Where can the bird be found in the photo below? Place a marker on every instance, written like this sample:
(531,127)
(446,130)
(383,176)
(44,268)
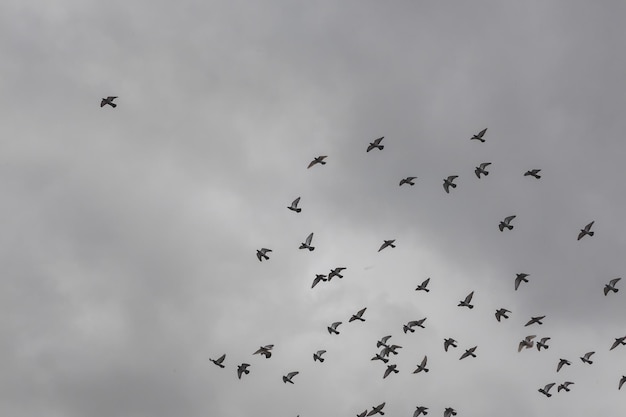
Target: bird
(265,351)
(469,352)
(448,342)
(219,361)
(447,183)
(542,343)
(307,243)
(407,180)
(564,386)
(387,243)
(527,343)
(501,312)
(376,144)
(363,414)
(621,382)
(390,349)
(336,273)
(242,369)
(420,410)
(379,357)
(448,412)
(262,254)
(422,286)
(618,341)
(561,363)
(318,160)
(358,315)
(586,231)
(586,356)
(383,341)
(377,410)
(294,205)
(533,173)
(390,368)
(466,302)
(479,135)
(506,223)
(519,278)
(317,356)
(611,286)
(534,320)
(333,327)
(545,390)
(289,377)
(318,278)
(422,366)
(108,100)
(409,326)
(480,169)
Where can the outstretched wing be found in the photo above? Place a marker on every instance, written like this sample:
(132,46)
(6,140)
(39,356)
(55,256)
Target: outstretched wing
(309,239)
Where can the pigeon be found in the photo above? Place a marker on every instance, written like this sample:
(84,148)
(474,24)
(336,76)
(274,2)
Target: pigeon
(336,273)
(501,312)
(618,341)
(262,254)
(265,351)
(377,410)
(533,173)
(621,382)
(409,326)
(422,286)
(289,377)
(466,302)
(420,410)
(481,169)
(407,180)
(586,231)
(447,183)
(479,135)
(586,356)
(318,278)
(379,357)
(383,341)
(469,352)
(219,361)
(448,342)
(506,223)
(358,315)
(564,386)
(448,412)
(294,205)
(526,343)
(376,144)
(387,243)
(242,369)
(561,363)
(317,356)
(534,320)
(390,368)
(333,327)
(611,286)
(545,390)
(307,243)
(519,278)
(542,343)
(108,100)
(318,160)
(390,349)
(422,366)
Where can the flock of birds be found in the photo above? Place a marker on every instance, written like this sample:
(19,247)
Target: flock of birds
(388,348)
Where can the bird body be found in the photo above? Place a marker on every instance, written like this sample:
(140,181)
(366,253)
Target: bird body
(422,366)
(611,286)
(379,357)
(449,412)
(506,223)
(390,368)
(358,315)
(448,342)
(542,343)
(586,356)
(265,351)
(318,278)
(387,243)
(501,312)
(420,410)
(469,352)
(317,356)
(448,182)
(561,363)
(564,386)
(318,160)
(534,320)
(618,341)
(481,169)
(336,273)
(409,326)
(586,231)
(376,144)
(622,381)
(242,369)
(526,343)
(383,341)
(219,361)
(377,409)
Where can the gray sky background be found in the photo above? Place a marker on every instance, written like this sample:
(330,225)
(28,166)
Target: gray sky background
(129,234)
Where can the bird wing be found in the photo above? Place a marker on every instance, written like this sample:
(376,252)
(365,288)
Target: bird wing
(485,165)
(550,385)
(621,382)
(481,133)
(426,281)
(383,246)
(387,372)
(292,374)
(614,281)
(508,219)
(221,359)
(309,238)
(335,325)
(446,186)
(377,141)
(469,297)
(544,339)
(360,312)
(423,364)
(518,280)
(295,202)
(588,227)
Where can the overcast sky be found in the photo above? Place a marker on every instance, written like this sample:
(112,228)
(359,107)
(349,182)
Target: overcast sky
(129,234)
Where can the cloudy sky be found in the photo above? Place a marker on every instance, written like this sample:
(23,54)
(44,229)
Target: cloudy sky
(129,234)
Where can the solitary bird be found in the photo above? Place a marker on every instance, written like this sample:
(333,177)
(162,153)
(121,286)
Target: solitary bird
(219,360)
(448,342)
(407,180)
(289,377)
(586,231)
(317,356)
(294,205)
(390,368)
(611,286)
(622,381)
(501,312)
(265,351)
(377,410)
(262,254)
(336,273)
(506,223)
(526,343)
(422,366)
(447,183)
(387,243)
(318,160)
(318,278)
(422,286)
(519,278)
(448,412)
(469,352)
(542,343)
(479,135)
(420,410)
(358,315)
(534,320)
(242,369)
(333,327)
(533,173)
(564,386)
(467,300)
(546,390)
(376,144)
(561,363)
(409,326)
(481,169)
(108,100)
(618,341)
(586,356)
(307,243)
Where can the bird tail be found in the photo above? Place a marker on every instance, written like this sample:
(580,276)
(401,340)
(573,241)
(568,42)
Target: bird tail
(538,176)
(591,233)
(453,185)
(113,105)
(311,248)
(615,289)
(298,210)
(470,306)
(321,359)
(393,246)
(510,227)
(486,173)
(548,394)
(425,370)
(426,289)
(323,162)
(381,147)
(246,371)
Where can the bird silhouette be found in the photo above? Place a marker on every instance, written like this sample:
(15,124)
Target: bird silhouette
(307,243)
(586,231)
(611,286)
(333,327)
(318,160)
(318,278)
(108,100)
(469,352)
(447,183)
(422,366)
(242,369)
(390,368)
(562,362)
(422,286)
(376,144)
(377,410)
(387,243)
(294,205)
(336,273)
(262,254)
(379,357)
(621,382)
(448,342)
(546,390)
(407,180)
(449,412)
(317,356)
(358,315)
(265,351)
(526,343)
(506,223)
(519,278)
(501,312)
(618,341)
(481,169)
(533,173)
(542,343)
(534,320)
(586,356)
(479,135)
(564,386)
(467,300)
(289,377)
(409,326)
(420,410)
(219,361)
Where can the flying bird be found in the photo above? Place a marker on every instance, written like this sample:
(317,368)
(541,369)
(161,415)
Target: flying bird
(420,410)
(379,357)
(318,278)
(294,205)
(561,363)
(307,243)
(383,341)
(336,273)
(219,360)
(447,183)
(546,390)
(390,349)
(506,223)
(409,326)
(481,169)
(611,286)
(318,160)
(466,302)
(586,356)
(533,173)
(519,278)
(390,368)
(265,351)
(289,377)
(333,327)
(407,180)
(422,286)
(317,356)
(618,341)
(534,320)
(358,315)
(377,410)
(469,352)
(387,243)
(363,414)
(564,386)
(376,144)
(526,343)
(422,366)
(448,412)
(542,343)
(501,312)
(242,369)
(108,100)
(448,342)
(262,254)
(586,231)
(479,135)
(621,382)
